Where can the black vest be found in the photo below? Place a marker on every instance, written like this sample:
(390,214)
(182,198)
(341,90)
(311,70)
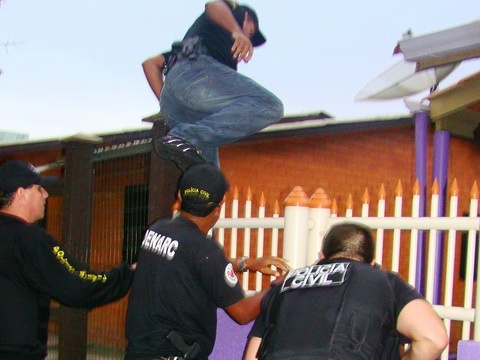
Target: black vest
(339,309)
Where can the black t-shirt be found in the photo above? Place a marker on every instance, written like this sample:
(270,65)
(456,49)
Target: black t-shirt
(34,268)
(217,41)
(182,276)
(310,304)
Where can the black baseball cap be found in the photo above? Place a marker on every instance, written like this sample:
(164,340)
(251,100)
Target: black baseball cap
(18,173)
(239,13)
(202,188)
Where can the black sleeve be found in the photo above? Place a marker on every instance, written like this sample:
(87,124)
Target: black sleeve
(263,321)
(403,291)
(217,275)
(49,269)
(258,328)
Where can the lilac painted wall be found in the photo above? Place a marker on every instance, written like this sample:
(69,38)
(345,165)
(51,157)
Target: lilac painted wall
(231,338)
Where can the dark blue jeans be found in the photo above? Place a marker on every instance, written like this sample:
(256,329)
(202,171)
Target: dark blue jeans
(210,105)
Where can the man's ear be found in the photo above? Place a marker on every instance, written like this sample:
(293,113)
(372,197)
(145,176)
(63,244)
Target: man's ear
(177,205)
(218,209)
(246,18)
(20,194)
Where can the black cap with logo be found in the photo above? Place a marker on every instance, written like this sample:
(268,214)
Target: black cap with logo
(18,173)
(202,188)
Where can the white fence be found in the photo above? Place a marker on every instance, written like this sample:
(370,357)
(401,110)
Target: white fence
(432,243)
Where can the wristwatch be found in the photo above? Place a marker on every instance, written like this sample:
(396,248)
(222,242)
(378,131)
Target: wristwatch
(242,264)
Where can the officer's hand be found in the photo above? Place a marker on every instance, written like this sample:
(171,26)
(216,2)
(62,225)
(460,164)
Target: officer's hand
(264,265)
(242,48)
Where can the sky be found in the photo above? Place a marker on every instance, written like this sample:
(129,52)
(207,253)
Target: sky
(72,67)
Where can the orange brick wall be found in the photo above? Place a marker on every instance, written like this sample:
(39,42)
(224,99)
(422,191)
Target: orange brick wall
(343,164)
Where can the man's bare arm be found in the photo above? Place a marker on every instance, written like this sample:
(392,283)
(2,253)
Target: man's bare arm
(419,322)
(219,12)
(247,309)
(251,348)
(264,265)
(153,68)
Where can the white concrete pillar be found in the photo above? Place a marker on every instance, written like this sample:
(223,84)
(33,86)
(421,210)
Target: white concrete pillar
(295,235)
(320,205)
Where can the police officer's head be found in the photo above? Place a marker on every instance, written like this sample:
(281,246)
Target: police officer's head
(19,174)
(349,240)
(202,189)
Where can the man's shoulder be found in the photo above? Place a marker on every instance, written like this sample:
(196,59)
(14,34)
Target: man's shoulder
(175,223)
(21,228)
(395,277)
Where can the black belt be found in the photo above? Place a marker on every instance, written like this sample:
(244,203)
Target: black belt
(190,48)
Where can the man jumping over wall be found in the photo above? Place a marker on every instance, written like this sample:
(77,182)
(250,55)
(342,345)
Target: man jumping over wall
(203,99)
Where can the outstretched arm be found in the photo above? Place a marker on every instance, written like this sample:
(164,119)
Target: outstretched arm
(153,68)
(419,322)
(264,265)
(219,12)
(247,309)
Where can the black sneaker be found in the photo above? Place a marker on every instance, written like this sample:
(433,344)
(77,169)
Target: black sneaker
(180,151)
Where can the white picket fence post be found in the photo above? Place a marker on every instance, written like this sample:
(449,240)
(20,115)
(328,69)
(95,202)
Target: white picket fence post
(295,234)
(319,205)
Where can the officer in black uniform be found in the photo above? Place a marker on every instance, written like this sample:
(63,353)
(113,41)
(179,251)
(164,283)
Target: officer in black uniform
(183,276)
(34,267)
(343,307)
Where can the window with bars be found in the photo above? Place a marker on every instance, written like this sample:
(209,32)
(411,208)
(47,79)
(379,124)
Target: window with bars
(135,220)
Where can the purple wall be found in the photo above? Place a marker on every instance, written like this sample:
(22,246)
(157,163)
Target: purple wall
(231,338)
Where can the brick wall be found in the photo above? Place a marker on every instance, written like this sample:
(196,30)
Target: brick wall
(348,163)
(343,164)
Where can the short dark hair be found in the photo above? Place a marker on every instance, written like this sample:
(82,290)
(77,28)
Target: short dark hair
(351,240)
(6,198)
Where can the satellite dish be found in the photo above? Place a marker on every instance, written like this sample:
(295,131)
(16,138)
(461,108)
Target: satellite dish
(402,80)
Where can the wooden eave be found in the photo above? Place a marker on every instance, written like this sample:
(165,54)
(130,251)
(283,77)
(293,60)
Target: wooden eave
(456,109)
